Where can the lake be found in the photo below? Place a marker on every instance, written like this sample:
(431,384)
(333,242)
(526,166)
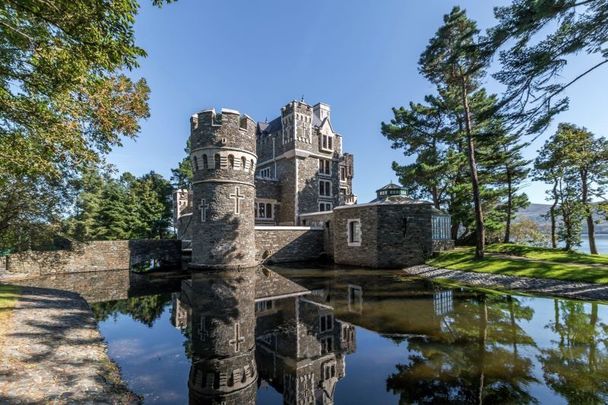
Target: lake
(328,335)
(601,242)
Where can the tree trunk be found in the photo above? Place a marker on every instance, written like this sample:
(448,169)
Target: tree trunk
(483,337)
(587,205)
(509,206)
(553,219)
(479,225)
(592,342)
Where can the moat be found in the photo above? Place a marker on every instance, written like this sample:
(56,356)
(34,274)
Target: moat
(348,336)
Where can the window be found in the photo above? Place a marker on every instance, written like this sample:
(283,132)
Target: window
(326,322)
(324,206)
(325,188)
(343,173)
(327,345)
(329,371)
(252,165)
(264,210)
(354,232)
(265,173)
(325,166)
(195,163)
(327,142)
(243,163)
(205,162)
(441,227)
(263,306)
(217,161)
(231,161)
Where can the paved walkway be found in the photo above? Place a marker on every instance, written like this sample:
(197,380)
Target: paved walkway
(567,289)
(53,353)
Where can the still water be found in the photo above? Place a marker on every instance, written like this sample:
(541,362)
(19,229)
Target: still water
(601,242)
(301,335)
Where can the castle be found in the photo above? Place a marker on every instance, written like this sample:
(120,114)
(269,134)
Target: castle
(300,167)
(282,191)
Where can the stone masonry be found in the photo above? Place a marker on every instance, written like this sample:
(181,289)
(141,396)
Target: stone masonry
(223,161)
(281,244)
(93,256)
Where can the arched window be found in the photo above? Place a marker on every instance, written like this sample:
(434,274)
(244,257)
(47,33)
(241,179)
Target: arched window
(231,161)
(205,162)
(243,163)
(217,162)
(252,166)
(195,163)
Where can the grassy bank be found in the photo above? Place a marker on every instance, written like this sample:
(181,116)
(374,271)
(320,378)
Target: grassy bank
(8,298)
(527,261)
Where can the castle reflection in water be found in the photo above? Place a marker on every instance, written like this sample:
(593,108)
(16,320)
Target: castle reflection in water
(252,327)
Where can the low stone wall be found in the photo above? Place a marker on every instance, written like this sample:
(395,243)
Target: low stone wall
(281,244)
(94,256)
(440,245)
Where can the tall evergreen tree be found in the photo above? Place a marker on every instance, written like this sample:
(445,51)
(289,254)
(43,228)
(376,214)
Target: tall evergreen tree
(455,63)
(181,176)
(509,170)
(536,39)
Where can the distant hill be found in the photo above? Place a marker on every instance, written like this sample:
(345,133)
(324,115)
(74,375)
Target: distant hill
(536,212)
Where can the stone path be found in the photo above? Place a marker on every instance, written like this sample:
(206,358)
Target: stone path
(53,353)
(567,289)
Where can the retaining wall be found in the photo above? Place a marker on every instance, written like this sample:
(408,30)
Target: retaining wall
(94,256)
(281,244)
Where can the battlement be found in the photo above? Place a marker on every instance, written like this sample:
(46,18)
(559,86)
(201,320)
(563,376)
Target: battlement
(233,118)
(298,107)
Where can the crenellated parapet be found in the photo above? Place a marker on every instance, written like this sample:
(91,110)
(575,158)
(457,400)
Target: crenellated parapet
(223,161)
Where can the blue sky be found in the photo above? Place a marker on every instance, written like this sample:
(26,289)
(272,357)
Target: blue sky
(359,56)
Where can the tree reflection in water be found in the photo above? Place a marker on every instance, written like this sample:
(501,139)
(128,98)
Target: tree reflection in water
(143,309)
(577,366)
(473,358)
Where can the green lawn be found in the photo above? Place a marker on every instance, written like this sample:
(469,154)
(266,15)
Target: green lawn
(552,255)
(566,266)
(8,298)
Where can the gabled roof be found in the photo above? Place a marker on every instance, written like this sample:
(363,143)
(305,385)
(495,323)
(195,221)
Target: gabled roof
(270,127)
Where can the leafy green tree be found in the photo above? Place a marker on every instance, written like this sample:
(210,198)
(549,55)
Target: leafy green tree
(181,176)
(575,162)
(535,39)
(64,102)
(586,160)
(124,208)
(152,197)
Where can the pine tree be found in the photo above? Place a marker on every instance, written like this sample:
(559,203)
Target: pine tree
(455,63)
(535,39)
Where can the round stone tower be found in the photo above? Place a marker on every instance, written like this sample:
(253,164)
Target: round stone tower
(222,346)
(223,163)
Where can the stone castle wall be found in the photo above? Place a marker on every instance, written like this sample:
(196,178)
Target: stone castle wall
(366,254)
(94,256)
(288,243)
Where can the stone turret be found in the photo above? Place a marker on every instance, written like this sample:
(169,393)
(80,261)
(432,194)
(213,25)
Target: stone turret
(223,369)
(223,161)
